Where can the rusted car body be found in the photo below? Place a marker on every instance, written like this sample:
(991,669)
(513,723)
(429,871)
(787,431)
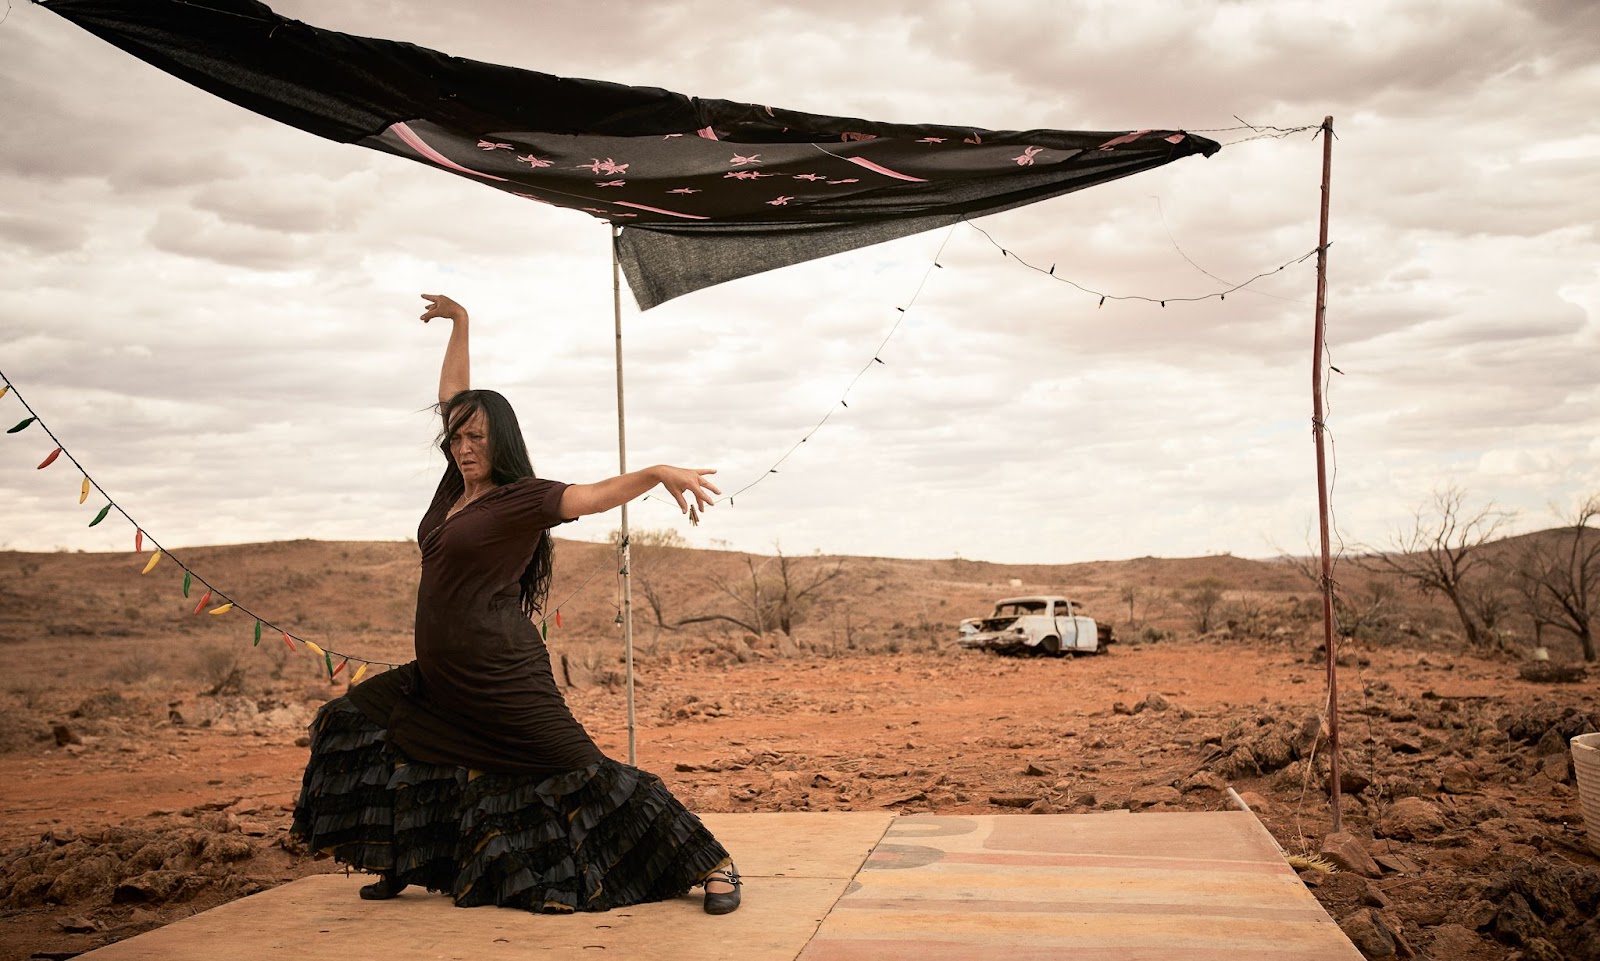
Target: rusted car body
(1043,624)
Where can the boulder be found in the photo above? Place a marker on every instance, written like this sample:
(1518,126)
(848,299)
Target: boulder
(1156,794)
(1398,863)
(1413,818)
(1462,777)
(1374,937)
(152,887)
(228,847)
(80,881)
(1346,851)
(1256,802)
(1556,767)
(1551,672)
(1455,941)
(1012,800)
(1203,781)
(1514,922)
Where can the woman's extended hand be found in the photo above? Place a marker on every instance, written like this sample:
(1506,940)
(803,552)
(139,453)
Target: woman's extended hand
(679,480)
(441,306)
(580,500)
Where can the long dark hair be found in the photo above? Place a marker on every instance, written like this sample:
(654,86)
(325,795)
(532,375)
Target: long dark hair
(508,461)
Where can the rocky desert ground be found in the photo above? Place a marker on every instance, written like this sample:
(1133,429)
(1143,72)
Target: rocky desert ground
(149,757)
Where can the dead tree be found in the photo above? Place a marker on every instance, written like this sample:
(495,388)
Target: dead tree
(756,612)
(1558,576)
(798,588)
(1201,598)
(1130,595)
(1440,551)
(780,600)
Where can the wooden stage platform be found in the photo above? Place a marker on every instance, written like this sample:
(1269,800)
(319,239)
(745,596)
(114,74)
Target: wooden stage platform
(847,887)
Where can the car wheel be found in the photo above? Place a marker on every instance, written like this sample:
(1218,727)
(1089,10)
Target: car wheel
(1051,646)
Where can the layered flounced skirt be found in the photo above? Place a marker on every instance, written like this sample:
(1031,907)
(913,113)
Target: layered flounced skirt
(602,837)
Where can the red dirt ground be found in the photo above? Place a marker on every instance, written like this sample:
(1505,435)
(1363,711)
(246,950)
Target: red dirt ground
(172,801)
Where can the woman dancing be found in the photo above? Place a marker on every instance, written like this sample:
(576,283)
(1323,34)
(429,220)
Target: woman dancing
(463,771)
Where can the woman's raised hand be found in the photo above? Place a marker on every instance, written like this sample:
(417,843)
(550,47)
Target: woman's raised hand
(681,480)
(441,306)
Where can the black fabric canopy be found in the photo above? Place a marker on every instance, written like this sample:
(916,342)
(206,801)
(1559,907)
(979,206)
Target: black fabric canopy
(705,190)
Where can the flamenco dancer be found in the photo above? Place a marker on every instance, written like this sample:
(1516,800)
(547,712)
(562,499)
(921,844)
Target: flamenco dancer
(463,771)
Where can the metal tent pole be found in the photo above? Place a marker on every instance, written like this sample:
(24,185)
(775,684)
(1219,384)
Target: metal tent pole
(1317,428)
(622,468)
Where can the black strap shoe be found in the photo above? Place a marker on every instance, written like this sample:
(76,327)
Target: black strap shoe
(723,903)
(382,889)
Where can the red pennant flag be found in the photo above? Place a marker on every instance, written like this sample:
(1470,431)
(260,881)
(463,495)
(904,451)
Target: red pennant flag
(49,460)
(138,541)
(201,606)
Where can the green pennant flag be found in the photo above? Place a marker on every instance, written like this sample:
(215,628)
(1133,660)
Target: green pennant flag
(258,635)
(22,425)
(100,516)
(188,578)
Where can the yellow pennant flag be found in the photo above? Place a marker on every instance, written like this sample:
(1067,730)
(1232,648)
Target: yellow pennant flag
(83,495)
(221,610)
(359,671)
(149,565)
(5,390)
(314,648)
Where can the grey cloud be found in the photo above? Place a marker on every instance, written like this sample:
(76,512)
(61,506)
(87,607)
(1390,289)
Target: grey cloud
(42,235)
(190,234)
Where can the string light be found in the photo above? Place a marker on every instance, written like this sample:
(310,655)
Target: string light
(226,604)
(1221,294)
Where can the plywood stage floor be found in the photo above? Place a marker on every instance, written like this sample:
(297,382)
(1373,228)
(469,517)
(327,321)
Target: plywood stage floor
(847,887)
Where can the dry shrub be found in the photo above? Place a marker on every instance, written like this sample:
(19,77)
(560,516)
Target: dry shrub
(219,665)
(140,665)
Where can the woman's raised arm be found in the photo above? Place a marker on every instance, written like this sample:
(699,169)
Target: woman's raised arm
(455,375)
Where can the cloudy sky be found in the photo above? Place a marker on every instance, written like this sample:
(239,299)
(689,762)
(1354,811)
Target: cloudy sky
(218,314)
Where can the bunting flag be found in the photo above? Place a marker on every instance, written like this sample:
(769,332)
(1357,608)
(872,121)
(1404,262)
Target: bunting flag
(706,190)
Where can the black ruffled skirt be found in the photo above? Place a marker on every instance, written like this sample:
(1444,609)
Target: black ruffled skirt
(602,837)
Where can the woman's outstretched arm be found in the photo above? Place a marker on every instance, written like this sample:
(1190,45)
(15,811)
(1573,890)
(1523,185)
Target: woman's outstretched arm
(455,375)
(601,496)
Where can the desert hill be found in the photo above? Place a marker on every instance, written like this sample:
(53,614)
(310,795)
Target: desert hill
(357,597)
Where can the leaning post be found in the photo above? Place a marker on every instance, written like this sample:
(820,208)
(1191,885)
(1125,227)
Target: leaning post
(1317,429)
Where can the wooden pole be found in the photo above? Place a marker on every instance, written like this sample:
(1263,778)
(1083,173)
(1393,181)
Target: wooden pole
(625,560)
(1317,428)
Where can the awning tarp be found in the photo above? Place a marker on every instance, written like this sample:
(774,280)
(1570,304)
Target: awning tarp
(706,191)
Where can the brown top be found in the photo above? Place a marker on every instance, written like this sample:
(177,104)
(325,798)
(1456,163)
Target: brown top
(480,693)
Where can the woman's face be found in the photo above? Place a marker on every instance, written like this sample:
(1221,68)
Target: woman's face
(469,445)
